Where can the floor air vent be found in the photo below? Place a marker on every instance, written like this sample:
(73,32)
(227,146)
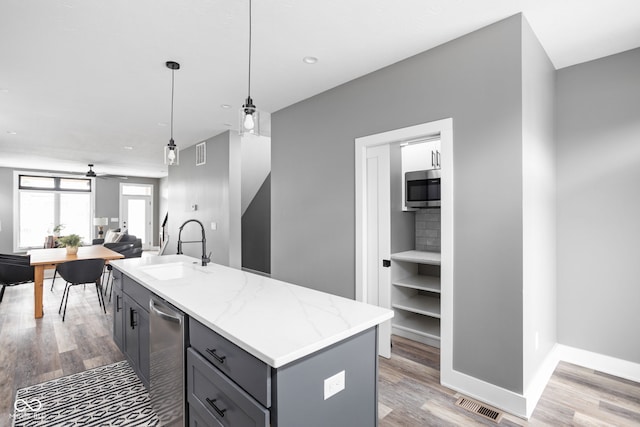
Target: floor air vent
(480,409)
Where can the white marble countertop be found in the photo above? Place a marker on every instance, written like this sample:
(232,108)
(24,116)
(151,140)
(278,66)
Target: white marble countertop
(275,321)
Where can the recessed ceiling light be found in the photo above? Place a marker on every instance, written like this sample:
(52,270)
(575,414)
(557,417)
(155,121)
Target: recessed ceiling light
(11,132)
(128,147)
(225,106)
(162,124)
(309,59)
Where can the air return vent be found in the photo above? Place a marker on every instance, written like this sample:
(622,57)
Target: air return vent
(480,409)
(201,154)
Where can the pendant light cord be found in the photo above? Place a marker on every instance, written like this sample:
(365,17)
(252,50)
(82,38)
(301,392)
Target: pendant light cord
(172,83)
(249,89)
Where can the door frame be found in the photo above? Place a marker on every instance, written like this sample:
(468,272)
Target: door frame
(445,128)
(122,198)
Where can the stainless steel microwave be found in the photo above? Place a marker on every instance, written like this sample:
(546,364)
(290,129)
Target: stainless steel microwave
(422,189)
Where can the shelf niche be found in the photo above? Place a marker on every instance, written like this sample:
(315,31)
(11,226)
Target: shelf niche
(415,296)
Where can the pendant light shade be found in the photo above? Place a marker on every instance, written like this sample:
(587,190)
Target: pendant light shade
(171,153)
(249,114)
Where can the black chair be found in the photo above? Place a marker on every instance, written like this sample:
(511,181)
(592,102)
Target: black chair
(126,241)
(80,272)
(14,270)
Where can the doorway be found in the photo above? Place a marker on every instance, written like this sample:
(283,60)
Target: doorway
(371,251)
(136,207)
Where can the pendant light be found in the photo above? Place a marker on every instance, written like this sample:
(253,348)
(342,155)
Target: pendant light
(249,114)
(171,149)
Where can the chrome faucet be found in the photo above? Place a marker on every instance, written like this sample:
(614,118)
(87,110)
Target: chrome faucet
(205,258)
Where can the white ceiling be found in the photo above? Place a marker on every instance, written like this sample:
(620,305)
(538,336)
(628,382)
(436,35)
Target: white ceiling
(82,79)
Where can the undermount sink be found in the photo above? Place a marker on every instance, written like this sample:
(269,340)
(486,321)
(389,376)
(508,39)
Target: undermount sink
(170,271)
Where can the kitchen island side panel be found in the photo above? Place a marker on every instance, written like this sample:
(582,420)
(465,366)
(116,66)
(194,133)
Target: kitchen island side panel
(299,386)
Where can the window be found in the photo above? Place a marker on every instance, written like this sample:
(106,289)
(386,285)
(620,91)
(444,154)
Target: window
(44,201)
(136,189)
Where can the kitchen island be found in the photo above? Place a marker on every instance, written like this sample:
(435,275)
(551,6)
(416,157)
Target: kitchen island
(261,350)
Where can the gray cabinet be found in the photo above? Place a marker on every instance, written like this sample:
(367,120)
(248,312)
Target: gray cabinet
(211,392)
(249,372)
(131,323)
(225,384)
(229,387)
(136,338)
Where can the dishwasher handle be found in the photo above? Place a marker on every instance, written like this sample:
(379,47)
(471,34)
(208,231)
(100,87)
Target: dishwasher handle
(166,316)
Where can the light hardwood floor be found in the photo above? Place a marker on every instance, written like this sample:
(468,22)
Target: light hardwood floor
(410,394)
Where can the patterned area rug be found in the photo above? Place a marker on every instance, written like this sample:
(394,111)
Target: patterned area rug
(110,395)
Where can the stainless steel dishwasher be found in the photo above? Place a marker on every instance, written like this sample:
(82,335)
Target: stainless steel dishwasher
(166,353)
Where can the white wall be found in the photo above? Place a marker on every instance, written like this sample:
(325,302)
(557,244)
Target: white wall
(256,165)
(598,137)
(538,205)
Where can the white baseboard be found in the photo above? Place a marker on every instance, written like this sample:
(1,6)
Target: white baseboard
(523,405)
(485,392)
(540,379)
(600,362)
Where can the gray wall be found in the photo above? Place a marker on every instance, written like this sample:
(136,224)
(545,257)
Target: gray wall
(209,187)
(256,230)
(476,80)
(108,200)
(598,137)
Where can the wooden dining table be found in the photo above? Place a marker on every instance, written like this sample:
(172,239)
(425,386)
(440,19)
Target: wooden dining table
(44,259)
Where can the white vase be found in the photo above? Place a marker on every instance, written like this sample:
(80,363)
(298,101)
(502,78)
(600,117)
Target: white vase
(72,250)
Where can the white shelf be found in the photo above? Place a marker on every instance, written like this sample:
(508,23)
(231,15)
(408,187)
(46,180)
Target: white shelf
(415,296)
(421,304)
(420,257)
(419,325)
(422,283)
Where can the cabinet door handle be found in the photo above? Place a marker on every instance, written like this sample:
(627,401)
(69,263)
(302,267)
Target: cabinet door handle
(433,160)
(132,321)
(218,358)
(438,158)
(118,304)
(215,407)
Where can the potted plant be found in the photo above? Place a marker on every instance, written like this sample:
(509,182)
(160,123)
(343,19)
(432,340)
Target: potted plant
(71,242)
(57,229)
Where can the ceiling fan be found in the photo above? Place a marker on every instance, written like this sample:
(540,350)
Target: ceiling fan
(92,174)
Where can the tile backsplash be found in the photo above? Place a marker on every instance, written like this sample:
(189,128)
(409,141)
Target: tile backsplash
(428,229)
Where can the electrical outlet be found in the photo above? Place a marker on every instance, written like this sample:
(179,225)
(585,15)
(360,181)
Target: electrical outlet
(333,385)
(214,226)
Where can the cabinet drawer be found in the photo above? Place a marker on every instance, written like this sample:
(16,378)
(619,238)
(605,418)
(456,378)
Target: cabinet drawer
(219,400)
(136,291)
(247,371)
(197,420)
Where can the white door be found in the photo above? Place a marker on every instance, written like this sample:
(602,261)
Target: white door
(136,212)
(377,289)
